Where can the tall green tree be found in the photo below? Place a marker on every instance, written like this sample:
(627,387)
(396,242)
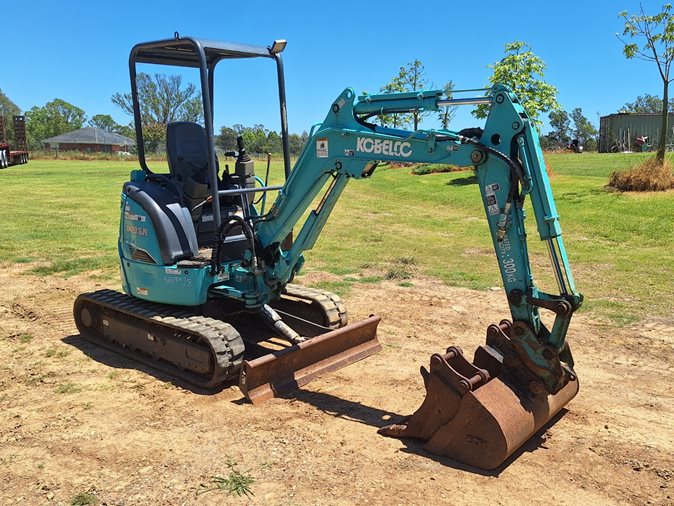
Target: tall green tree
(104,122)
(560,123)
(523,72)
(255,138)
(583,130)
(296,143)
(655,36)
(273,144)
(446,114)
(395,120)
(412,77)
(8,110)
(162,100)
(226,139)
(54,118)
(647,104)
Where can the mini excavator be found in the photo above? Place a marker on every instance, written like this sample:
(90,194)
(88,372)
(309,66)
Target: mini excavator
(207,270)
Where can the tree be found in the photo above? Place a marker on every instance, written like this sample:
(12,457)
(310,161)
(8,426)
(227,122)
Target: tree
(162,100)
(227,138)
(104,122)
(296,143)
(548,143)
(446,114)
(560,124)
(54,118)
(8,110)
(656,37)
(523,72)
(255,139)
(127,131)
(395,120)
(273,144)
(412,77)
(647,104)
(583,130)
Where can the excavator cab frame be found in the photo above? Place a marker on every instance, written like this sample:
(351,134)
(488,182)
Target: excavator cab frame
(203,54)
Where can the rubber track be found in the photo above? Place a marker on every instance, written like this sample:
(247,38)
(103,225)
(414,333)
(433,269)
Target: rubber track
(332,304)
(226,345)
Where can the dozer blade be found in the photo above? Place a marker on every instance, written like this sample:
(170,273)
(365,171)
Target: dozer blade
(473,412)
(280,372)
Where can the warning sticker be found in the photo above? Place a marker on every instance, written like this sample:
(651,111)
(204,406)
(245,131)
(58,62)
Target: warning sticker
(322,148)
(492,202)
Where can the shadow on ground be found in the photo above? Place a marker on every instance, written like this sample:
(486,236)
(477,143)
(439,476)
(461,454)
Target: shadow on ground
(378,418)
(111,358)
(329,404)
(462,181)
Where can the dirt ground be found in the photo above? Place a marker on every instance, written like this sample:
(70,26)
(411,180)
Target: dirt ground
(79,419)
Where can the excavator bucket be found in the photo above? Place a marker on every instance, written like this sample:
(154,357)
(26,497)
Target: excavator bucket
(474,412)
(279,372)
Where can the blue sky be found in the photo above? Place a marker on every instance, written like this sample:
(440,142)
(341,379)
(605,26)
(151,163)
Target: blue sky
(78,51)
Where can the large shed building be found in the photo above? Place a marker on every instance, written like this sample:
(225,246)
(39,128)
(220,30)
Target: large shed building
(619,132)
(90,139)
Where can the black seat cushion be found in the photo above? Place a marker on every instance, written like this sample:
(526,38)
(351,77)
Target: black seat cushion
(187,151)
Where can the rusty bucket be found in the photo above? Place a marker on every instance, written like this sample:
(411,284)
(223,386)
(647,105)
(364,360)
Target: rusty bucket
(474,412)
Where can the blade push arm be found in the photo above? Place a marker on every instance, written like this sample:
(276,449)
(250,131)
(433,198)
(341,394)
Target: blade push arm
(509,166)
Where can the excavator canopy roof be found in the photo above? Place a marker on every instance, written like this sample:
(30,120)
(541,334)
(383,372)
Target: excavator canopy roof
(184,52)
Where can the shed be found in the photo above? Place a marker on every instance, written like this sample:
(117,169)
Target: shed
(90,139)
(618,132)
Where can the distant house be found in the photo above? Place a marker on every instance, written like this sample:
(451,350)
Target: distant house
(90,139)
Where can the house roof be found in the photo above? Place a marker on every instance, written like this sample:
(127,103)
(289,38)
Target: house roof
(92,135)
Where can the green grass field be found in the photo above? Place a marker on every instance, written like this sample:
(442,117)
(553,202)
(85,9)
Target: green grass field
(62,216)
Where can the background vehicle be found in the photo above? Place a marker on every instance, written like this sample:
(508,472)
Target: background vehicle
(19,155)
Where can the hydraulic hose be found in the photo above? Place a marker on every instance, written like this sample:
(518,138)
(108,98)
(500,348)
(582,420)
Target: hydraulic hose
(516,172)
(223,231)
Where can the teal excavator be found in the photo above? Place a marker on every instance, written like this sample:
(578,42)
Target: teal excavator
(207,268)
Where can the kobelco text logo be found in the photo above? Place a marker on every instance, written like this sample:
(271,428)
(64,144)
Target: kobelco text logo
(384,147)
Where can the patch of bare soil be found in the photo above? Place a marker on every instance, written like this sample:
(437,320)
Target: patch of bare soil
(77,419)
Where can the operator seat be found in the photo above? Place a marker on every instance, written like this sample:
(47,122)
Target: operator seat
(187,151)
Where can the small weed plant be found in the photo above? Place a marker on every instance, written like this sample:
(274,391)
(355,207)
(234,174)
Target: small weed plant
(84,499)
(236,483)
(68,388)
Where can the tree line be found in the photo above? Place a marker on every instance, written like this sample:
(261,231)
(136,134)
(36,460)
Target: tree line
(562,132)
(162,99)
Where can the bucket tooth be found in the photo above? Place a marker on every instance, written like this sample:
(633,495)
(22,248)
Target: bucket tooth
(475,415)
(280,372)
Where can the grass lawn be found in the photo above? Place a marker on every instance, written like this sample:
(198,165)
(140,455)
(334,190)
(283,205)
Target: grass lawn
(63,215)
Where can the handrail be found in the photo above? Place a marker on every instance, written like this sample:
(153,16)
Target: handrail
(238,191)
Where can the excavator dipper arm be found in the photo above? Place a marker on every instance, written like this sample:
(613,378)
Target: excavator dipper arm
(477,412)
